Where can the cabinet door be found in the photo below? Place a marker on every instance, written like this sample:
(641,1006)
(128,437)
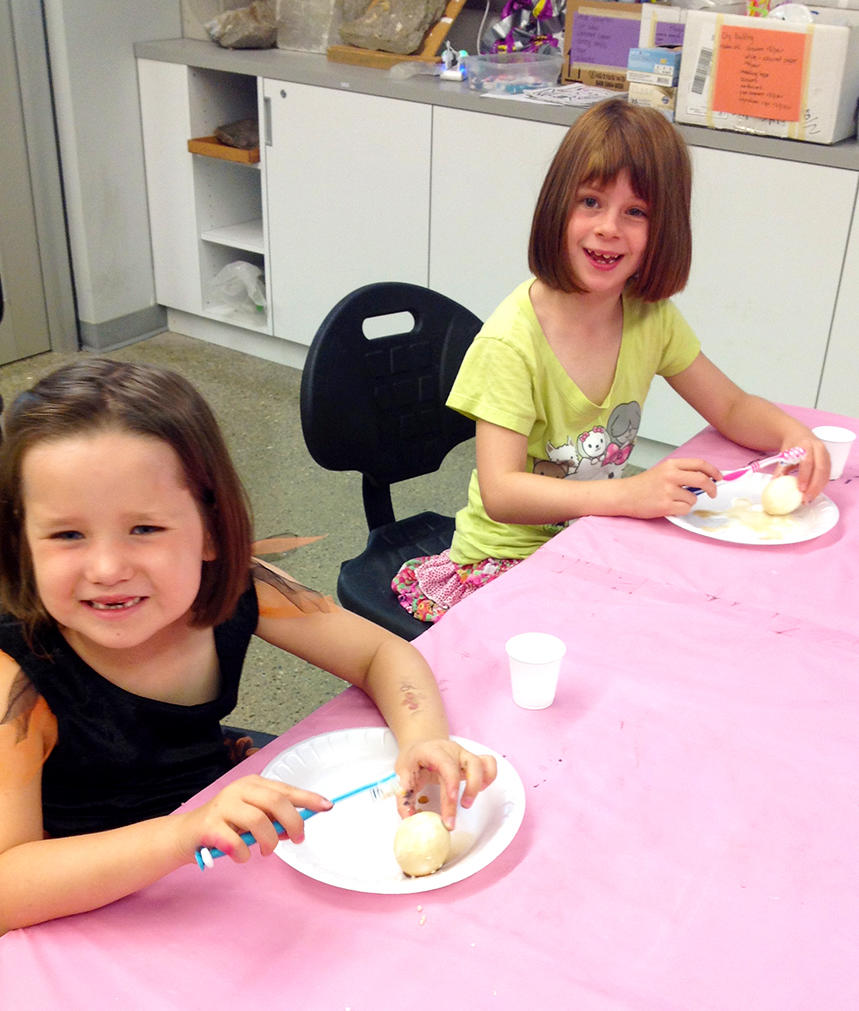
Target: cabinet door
(769,240)
(839,389)
(486,176)
(166,120)
(347,188)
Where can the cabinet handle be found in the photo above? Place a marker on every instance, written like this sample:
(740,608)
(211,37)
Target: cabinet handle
(266,114)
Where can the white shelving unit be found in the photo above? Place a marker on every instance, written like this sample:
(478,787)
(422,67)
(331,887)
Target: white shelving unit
(206,212)
(355,187)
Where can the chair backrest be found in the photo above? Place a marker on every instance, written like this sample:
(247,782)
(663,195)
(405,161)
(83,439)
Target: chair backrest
(377,405)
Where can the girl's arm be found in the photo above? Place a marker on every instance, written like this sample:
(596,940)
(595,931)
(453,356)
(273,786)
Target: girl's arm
(511,494)
(751,421)
(392,673)
(41,879)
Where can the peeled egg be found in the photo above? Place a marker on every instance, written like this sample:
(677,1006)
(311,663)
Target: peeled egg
(422,844)
(781,495)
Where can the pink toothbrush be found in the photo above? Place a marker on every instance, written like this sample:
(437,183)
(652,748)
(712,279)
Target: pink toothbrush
(789,456)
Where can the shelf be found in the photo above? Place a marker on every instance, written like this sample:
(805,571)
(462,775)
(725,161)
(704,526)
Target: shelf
(247,320)
(246,235)
(211,147)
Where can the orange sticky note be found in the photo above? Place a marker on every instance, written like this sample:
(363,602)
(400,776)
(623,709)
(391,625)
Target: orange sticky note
(759,73)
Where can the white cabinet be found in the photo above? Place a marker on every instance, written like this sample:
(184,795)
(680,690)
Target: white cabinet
(204,212)
(486,175)
(355,188)
(839,388)
(768,241)
(768,244)
(347,182)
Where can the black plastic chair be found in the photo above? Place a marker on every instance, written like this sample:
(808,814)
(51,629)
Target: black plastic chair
(377,406)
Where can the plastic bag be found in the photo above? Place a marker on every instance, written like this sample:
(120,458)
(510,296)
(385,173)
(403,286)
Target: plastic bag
(238,287)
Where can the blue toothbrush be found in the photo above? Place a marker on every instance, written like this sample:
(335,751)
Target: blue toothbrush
(206,856)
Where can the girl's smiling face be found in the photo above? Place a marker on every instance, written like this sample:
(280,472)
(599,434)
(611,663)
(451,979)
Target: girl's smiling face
(607,234)
(117,540)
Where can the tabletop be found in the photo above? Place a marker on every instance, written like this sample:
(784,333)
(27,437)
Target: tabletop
(690,818)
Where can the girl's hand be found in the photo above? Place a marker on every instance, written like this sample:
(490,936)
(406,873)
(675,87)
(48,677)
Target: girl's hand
(663,490)
(812,472)
(447,763)
(250,804)
(239,748)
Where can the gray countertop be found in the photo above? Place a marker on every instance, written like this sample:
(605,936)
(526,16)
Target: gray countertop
(315,69)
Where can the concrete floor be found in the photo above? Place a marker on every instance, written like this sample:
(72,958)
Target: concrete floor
(257,405)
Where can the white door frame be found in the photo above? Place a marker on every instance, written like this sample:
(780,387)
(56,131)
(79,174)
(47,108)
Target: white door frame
(41,245)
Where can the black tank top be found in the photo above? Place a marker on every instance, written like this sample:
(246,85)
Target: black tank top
(121,758)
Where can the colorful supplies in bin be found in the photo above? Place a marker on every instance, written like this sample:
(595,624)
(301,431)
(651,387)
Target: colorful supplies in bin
(531,26)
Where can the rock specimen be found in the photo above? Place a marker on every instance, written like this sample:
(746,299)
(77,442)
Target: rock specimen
(253,27)
(392,26)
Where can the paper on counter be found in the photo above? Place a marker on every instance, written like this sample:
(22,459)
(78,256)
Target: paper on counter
(580,95)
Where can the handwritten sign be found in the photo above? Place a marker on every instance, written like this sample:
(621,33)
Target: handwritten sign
(603,40)
(759,73)
(668,33)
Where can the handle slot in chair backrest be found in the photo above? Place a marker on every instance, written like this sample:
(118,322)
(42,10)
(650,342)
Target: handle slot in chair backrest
(376,405)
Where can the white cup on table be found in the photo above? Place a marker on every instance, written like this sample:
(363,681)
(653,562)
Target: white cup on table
(535,663)
(839,442)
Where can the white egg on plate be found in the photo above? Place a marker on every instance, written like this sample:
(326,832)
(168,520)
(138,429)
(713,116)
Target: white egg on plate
(421,844)
(781,495)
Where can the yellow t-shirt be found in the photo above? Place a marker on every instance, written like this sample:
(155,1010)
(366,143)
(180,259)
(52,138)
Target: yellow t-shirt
(511,377)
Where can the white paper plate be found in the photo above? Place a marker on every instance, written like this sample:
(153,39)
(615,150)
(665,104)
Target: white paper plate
(352,846)
(736,515)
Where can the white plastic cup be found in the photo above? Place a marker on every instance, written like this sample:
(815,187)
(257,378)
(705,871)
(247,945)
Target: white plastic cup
(535,662)
(839,442)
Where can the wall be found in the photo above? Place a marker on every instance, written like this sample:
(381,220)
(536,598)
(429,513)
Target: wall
(98,122)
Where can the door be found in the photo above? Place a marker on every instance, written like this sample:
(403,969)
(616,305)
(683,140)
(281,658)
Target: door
(24,327)
(348,186)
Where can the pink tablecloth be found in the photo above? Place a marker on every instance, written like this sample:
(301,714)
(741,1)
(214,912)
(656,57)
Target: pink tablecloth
(691,825)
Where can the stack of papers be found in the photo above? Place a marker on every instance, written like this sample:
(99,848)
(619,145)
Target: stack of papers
(580,95)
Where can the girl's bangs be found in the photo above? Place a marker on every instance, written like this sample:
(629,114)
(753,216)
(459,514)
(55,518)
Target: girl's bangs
(615,154)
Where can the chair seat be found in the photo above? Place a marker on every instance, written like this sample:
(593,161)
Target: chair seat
(364,584)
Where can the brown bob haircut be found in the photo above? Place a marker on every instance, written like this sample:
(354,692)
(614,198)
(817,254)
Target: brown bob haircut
(605,140)
(97,394)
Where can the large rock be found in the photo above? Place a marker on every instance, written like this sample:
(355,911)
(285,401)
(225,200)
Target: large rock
(252,27)
(392,26)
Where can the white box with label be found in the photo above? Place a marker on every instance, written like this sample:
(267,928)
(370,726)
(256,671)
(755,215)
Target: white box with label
(767,76)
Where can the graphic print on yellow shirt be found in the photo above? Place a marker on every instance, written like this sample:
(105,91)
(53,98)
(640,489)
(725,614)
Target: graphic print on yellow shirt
(597,452)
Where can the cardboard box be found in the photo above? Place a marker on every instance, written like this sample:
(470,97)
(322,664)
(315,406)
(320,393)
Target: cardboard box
(771,77)
(654,96)
(654,66)
(598,36)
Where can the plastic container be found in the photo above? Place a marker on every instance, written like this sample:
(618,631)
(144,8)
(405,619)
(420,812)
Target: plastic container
(535,663)
(839,442)
(512,73)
